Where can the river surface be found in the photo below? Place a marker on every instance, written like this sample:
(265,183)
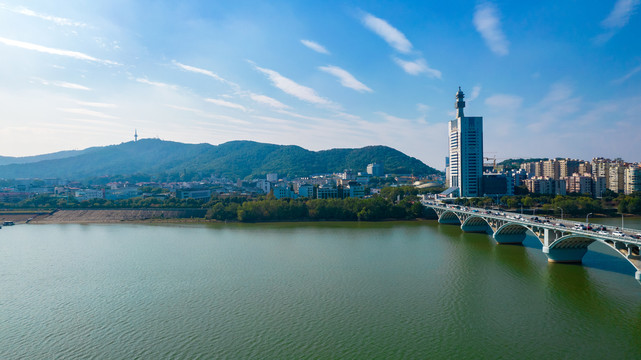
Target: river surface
(321,290)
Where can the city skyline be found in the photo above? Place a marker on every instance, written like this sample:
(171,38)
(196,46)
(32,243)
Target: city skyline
(550,79)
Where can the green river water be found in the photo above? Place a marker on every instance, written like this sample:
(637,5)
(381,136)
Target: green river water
(307,290)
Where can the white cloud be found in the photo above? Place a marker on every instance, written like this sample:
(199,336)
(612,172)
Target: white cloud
(204,72)
(228,104)
(209,115)
(346,79)
(417,67)
(620,14)
(487,23)
(96,104)
(73,86)
(315,46)
(53,51)
(394,38)
(628,75)
(156,83)
(292,88)
(62,84)
(504,101)
(86,112)
(57,20)
(476,91)
(617,19)
(263,99)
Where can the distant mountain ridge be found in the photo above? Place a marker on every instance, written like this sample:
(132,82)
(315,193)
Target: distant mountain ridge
(234,159)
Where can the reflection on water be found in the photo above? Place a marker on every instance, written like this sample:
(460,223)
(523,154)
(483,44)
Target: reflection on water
(321,290)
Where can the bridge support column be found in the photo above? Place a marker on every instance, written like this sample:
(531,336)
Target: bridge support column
(549,236)
(565,255)
(630,254)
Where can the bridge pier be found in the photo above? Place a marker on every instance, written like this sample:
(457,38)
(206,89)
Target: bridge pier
(565,255)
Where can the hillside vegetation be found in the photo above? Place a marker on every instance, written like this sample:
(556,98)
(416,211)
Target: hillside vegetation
(235,159)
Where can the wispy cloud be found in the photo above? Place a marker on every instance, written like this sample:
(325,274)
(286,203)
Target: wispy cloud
(476,91)
(54,51)
(628,75)
(417,67)
(157,84)
(617,19)
(69,85)
(292,88)
(227,104)
(86,112)
(488,24)
(63,84)
(55,19)
(96,104)
(504,101)
(390,34)
(346,79)
(209,115)
(209,73)
(315,46)
(263,99)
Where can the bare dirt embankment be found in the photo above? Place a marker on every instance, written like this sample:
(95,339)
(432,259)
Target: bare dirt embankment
(19,216)
(115,216)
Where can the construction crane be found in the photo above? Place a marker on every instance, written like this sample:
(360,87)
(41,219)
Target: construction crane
(493,159)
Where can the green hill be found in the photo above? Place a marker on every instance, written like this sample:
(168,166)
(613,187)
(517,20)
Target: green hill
(235,159)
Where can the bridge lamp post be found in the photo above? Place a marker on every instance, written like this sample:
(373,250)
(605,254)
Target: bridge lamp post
(561,212)
(586,219)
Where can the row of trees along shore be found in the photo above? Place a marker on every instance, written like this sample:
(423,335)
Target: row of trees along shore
(392,203)
(610,204)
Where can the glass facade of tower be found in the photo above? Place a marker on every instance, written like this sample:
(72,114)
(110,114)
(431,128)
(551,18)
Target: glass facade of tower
(466,152)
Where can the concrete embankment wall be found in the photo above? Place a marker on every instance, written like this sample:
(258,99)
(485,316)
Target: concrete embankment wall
(109,216)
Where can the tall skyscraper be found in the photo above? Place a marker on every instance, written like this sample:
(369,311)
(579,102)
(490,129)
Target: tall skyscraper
(466,151)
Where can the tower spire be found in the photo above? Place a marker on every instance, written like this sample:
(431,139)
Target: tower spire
(460,103)
(135,135)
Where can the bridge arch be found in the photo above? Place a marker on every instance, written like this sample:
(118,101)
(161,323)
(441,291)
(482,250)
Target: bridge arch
(449,217)
(512,233)
(477,224)
(572,248)
(569,248)
(430,213)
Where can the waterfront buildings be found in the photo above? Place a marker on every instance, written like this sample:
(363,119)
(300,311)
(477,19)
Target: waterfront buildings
(465,152)
(583,177)
(632,179)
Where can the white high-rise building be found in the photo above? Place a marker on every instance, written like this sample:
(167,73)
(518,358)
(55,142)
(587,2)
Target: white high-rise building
(466,152)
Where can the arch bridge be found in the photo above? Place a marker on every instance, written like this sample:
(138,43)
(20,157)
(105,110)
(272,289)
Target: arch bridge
(561,243)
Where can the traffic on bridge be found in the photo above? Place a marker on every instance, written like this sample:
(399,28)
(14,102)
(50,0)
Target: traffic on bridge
(563,240)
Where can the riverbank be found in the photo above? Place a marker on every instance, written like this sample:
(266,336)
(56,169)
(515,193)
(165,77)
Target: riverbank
(98,216)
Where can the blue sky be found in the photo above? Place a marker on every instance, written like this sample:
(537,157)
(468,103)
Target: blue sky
(550,78)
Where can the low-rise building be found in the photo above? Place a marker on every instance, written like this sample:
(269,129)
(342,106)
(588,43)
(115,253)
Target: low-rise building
(89,194)
(197,194)
(122,193)
(306,190)
(281,192)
